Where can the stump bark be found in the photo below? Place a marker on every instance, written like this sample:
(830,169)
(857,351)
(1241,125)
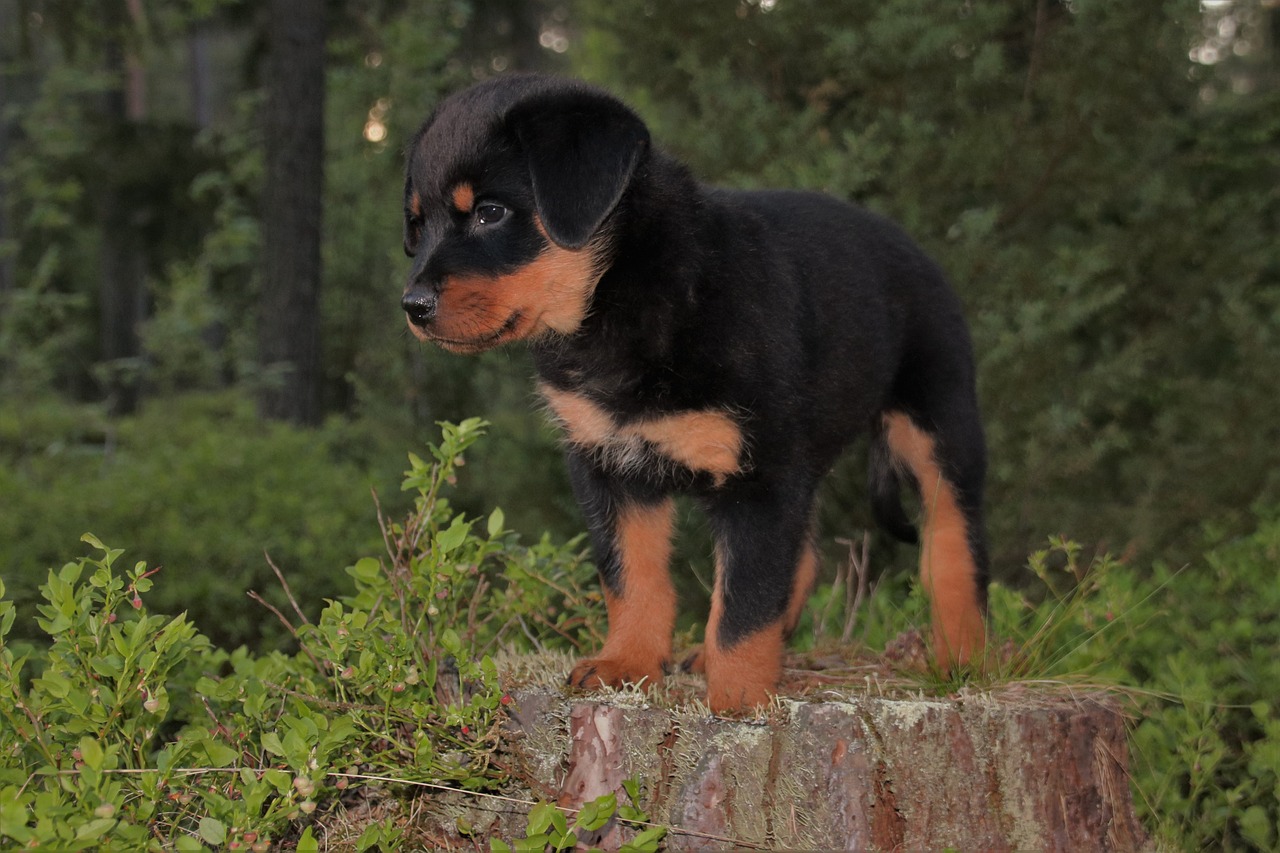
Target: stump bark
(1008,770)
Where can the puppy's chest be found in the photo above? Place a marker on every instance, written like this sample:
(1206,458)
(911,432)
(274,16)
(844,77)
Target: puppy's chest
(707,441)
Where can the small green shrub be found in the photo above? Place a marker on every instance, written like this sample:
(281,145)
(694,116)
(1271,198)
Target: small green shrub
(132,729)
(1207,765)
(197,484)
(549,827)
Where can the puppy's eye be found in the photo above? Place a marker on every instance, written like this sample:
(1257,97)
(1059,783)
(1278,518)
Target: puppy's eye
(488,213)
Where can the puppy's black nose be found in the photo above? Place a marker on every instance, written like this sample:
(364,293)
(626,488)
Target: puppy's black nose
(420,304)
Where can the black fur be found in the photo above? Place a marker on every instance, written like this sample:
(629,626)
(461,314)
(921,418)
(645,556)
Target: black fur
(803,317)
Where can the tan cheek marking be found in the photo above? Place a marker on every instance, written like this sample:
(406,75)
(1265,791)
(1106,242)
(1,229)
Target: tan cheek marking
(463,197)
(472,307)
(415,204)
(947,569)
(564,280)
(551,292)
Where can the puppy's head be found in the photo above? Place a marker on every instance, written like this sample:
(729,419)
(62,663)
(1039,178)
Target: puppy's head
(508,194)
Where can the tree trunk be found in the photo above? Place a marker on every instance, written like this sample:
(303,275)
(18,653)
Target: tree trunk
(7,278)
(122,289)
(289,321)
(200,76)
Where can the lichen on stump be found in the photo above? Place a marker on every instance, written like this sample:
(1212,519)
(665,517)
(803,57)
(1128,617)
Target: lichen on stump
(1009,769)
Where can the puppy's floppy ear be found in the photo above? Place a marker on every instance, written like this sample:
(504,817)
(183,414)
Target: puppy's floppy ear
(583,148)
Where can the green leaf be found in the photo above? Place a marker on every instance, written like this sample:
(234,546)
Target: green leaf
(214,831)
(498,846)
(597,813)
(95,828)
(91,752)
(1256,826)
(271,743)
(307,843)
(449,540)
(540,817)
(371,836)
(218,754)
(532,844)
(278,779)
(645,841)
(366,569)
(494,527)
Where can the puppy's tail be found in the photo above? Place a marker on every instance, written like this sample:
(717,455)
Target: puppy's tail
(884,485)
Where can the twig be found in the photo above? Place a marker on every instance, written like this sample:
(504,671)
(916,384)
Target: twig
(855,593)
(287,591)
(820,624)
(293,631)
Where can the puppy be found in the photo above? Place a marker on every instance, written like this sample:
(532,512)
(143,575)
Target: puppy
(724,344)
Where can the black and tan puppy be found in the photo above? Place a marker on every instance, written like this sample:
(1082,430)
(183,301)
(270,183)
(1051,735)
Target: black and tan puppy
(724,344)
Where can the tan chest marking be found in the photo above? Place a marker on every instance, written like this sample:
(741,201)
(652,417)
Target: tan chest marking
(705,440)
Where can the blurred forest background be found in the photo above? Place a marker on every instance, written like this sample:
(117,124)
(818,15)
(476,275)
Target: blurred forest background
(201,352)
(202,356)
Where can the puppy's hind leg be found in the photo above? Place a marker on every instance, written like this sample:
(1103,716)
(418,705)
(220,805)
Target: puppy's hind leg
(947,462)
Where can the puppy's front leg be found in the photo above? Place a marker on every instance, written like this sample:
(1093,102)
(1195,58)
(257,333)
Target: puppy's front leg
(765,568)
(631,534)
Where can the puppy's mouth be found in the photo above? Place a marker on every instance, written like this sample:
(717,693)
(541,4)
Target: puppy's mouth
(505,333)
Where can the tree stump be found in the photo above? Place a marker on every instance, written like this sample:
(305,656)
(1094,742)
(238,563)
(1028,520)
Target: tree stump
(1003,770)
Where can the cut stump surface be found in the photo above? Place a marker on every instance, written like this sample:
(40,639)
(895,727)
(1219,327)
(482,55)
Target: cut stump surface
(1007,770)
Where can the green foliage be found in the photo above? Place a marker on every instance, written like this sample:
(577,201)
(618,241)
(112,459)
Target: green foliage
(1088,212)
(201,487)
(132,729)
(1208,758)
(1093,193)
(1076,625)
(549,827)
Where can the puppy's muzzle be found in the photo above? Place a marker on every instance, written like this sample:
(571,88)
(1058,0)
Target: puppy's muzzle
(419,303)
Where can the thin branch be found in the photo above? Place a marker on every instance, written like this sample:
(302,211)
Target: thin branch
(287,591)
(287,624)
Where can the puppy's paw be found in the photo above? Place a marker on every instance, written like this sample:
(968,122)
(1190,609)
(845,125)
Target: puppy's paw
(738,699)
(591,673)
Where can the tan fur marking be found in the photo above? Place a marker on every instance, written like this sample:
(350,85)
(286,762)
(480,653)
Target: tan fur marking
(415,204)
(801,586)
(585,423)
(643,615)
(947,570)
(704,441)
(463,198)
(550,293)
(746,674)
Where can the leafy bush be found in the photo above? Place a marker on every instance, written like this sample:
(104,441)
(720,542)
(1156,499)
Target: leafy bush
(1208,756)
(132,728)
(196,484)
